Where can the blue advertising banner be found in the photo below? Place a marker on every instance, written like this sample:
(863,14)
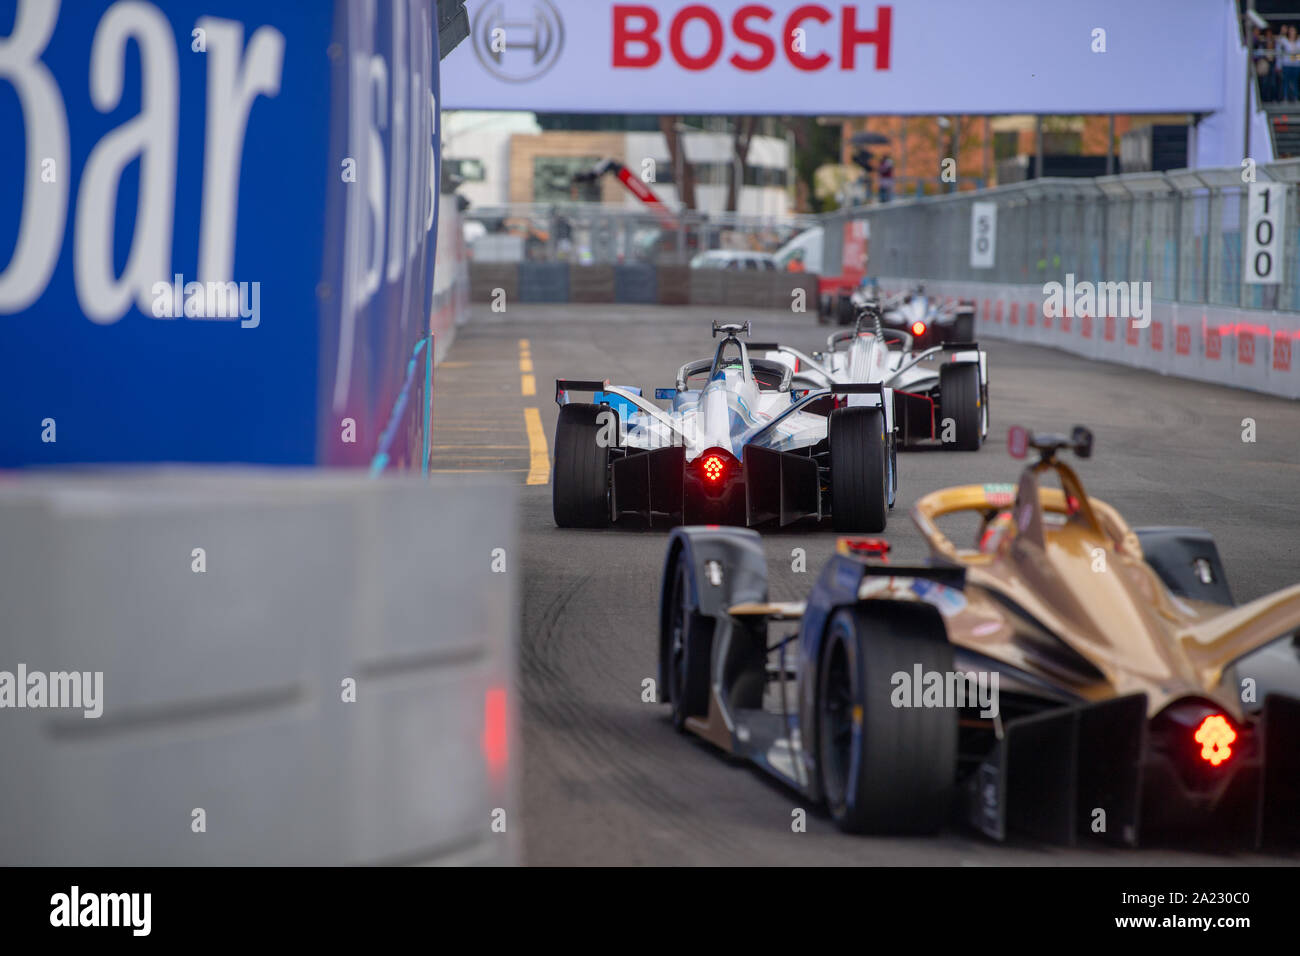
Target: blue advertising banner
(217,230)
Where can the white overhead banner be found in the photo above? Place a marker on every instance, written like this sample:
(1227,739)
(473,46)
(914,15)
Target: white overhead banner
(900,57)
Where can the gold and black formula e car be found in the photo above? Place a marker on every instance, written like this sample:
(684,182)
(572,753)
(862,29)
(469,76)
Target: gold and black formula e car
(1069,678)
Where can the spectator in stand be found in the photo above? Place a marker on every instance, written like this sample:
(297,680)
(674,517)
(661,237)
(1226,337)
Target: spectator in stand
(1288,56)
(1265,68)
(885,179)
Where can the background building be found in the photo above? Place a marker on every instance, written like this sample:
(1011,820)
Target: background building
(506,157)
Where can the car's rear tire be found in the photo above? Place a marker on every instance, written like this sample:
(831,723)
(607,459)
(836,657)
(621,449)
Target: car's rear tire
(685,648)
(892,487)
(580,484)
(963,327)
(883,769)
(960,400)
(859,469)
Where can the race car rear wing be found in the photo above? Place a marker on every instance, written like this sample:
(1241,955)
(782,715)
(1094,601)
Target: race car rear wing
(931,352)
(565,385)
(857,388)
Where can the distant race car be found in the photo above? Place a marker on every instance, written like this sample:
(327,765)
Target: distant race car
(737,445)
(941,393)
(928,320)
(1068,678)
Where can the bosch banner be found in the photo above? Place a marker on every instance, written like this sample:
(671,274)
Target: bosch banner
(217,234)
(786,56)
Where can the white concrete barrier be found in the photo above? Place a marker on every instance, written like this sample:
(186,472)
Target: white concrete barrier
(226,671)
(1245,348)
(450,305)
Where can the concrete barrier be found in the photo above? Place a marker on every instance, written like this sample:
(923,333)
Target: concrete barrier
(783,286)
(591,284)
(707,286)
(673,285)
(746,289)
(1244,348)
(635,284)
(450,305)
(543,282)
(485,278)
(224,683)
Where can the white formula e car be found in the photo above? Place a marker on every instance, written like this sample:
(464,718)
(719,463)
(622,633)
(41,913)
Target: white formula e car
(737,444)
(940,393)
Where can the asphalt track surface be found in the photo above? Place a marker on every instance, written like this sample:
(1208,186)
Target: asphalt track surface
(606,780)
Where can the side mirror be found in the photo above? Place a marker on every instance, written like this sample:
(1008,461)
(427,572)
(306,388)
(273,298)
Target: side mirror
(1017,441)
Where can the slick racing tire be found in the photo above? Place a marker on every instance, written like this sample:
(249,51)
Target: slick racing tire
(959,399)
(859,469)
(685,649)
(580,485)
(963,327)
(893,472)
(883,768)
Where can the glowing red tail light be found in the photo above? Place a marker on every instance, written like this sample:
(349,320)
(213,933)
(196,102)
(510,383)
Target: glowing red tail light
(872,547)
(1215,735)
(714,468)
(496,723)
(918,328)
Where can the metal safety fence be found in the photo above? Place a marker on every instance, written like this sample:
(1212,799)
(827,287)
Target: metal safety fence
(602,234)
(1186,232)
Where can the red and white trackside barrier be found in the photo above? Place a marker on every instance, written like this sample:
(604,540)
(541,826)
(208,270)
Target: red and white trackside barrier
(1244,348)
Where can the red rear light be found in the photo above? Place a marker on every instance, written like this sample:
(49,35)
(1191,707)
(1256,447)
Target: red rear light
(714,468)
(869,547)
(918,328)
(496,723)
(1215,735)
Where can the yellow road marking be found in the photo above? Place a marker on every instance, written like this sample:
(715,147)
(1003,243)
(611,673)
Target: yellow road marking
(447,365)
(525,364)
(523,344)
(527,385)
(539,465)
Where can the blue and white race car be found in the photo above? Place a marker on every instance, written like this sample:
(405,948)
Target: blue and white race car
(737,444)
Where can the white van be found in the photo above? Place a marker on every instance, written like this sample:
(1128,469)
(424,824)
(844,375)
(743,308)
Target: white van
(734,259)
(807,247)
